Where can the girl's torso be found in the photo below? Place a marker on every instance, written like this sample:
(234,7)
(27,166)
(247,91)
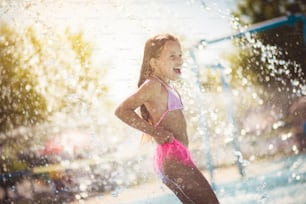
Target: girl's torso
(166,111)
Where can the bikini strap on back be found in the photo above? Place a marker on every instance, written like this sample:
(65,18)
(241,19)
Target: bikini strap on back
(161,118)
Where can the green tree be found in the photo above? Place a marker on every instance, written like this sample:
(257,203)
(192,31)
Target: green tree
(45,79)
(20,102)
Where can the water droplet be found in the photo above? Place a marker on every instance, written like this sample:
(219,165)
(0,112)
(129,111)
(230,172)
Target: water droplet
(115,193)
(263,198)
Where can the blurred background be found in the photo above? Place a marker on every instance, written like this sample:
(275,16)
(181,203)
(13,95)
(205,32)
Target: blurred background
(66,65)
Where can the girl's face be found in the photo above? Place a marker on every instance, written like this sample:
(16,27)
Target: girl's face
(168,65)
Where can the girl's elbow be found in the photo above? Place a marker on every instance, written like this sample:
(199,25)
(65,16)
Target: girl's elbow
(121,112)
(118,111)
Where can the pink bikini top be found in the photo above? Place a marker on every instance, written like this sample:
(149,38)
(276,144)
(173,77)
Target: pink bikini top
(174,101)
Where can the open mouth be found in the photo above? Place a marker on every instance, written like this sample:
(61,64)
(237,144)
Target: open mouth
(177,70)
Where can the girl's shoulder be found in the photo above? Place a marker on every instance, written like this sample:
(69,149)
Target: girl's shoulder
(152,83)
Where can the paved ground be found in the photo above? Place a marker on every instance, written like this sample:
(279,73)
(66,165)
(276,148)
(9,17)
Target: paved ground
(281,181)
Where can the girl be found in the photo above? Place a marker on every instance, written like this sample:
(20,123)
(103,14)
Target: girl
(163,120)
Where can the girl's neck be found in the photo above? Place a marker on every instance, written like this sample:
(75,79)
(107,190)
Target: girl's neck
(165,81)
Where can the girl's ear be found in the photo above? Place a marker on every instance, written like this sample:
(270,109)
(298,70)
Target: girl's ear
(153,63)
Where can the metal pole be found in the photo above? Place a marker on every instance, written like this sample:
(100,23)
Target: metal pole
(202,120)
(231,117)
(230,113)
(290,20)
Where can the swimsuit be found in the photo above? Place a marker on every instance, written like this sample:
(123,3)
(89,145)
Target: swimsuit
(174,103)
(174,150)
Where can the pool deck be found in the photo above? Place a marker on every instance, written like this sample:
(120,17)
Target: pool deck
(281,180)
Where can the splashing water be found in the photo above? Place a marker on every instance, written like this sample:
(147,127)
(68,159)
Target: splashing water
(81,149)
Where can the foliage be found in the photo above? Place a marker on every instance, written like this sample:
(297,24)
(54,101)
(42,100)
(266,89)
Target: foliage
(21,102)
(46,78)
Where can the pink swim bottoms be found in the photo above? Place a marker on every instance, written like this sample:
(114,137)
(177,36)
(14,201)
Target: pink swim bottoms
(175,151)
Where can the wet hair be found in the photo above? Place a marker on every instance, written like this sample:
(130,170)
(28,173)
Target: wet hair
(153,47)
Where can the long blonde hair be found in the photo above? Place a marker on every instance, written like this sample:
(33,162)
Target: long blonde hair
(153,47)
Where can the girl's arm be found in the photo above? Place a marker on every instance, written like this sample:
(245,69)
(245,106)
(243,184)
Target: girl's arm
(126,112)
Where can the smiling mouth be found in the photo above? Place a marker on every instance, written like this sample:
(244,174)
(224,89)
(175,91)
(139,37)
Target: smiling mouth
(177,70)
